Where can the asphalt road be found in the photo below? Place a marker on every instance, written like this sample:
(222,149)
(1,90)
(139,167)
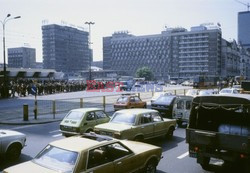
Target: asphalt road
(175,151)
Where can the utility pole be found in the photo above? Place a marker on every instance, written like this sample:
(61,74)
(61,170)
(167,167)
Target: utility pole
(5,81)
(89,43)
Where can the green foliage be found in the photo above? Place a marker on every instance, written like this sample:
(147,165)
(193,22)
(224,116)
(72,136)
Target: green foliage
(144,72)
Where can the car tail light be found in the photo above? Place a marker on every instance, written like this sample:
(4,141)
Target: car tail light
(117,135)
(196,149)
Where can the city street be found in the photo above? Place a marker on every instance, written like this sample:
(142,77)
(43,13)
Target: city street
(175,151)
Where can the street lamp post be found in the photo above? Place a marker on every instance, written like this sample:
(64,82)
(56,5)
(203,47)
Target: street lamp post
(89,43)
(5,85)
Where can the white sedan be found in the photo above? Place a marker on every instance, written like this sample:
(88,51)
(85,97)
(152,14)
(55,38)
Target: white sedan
(229,91)
(11,143)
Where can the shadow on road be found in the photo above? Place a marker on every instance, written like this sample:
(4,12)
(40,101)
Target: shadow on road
(5,163)
(165,143)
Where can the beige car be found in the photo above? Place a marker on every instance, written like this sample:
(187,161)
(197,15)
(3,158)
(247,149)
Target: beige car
(92,153)
(137,124)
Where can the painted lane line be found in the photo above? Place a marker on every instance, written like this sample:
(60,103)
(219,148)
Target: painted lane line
(54,136)
(55,131)
(183,155)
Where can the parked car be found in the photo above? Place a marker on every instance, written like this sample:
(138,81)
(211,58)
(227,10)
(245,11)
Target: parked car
(82,120)
(192,92)
(173,82)
(229,91)
(11,144)
(127,101)
(92,153)
(126,85)
(137,124)
(164,105)
(159,94)
(208,92)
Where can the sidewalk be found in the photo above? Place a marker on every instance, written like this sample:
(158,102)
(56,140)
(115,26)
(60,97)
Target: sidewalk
(41,119)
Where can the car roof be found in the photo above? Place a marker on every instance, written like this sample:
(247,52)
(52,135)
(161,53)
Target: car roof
(87,109)
(80,143)
(224,99)
(136,111)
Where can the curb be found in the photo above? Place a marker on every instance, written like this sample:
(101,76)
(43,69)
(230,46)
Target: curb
(21,122)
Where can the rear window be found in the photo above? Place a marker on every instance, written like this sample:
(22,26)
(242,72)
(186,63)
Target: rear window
(123,118)
(122,100)
(75,115)
(166,99)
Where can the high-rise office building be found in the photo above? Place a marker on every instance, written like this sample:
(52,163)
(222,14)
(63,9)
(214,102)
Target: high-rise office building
(244,29)
(65,49)
(22,57)
(177,53)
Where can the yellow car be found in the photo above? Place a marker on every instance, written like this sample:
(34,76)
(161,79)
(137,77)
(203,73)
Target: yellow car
(82,120)
(137,124)
(92,153)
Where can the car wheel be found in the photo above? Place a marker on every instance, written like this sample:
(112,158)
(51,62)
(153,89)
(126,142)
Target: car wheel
(205,163)
(170,132)
(13,152)
(179,123)
(150,167)
(138,138)
(145,106)
(89,130)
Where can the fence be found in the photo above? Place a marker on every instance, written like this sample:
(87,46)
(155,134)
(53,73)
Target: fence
(53,107)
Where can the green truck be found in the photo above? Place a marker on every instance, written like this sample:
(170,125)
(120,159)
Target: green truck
(219,127)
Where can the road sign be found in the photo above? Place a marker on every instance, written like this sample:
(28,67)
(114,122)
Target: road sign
(33,90)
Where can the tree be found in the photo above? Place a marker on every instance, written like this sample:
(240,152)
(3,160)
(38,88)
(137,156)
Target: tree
(144,72)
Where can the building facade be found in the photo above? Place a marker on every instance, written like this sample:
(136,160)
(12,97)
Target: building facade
(175,53)
(22,57)
(65,49)
(244,29)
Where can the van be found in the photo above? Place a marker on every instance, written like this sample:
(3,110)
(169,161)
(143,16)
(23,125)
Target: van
(181,109)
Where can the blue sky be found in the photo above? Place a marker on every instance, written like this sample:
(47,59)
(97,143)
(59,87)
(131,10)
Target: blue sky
(139,17)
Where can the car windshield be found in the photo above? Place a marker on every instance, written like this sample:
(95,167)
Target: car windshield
(226,91)
(75,115)
(122,100)
(123,118)
(165,99)
(57,159)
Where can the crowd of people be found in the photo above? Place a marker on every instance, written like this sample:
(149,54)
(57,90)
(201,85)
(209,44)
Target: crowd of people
(23,87)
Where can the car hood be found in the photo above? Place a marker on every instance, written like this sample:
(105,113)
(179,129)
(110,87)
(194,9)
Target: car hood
(8,133)
(28,167)
(70,122)
(113,127)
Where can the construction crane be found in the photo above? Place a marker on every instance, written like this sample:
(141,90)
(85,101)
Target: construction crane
(246,4)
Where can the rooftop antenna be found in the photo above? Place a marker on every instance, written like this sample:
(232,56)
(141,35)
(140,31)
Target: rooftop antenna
(246,4)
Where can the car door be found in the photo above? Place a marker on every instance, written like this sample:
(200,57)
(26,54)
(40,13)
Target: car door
(101,117)
(146,126)
(138,102)
(98,161)
(90,121)
(187,109)
(160,128)
(132,102)
(123,158)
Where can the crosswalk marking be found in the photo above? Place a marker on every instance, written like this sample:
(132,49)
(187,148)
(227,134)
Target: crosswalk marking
(183,155)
